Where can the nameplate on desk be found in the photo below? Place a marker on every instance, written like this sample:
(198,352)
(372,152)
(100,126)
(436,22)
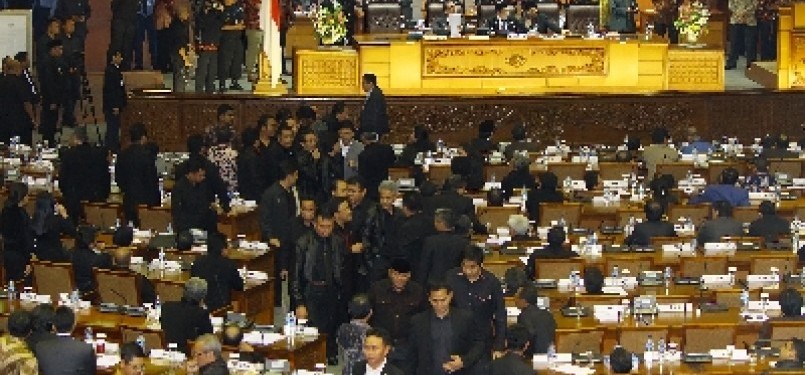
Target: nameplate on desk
(616,184)
(695,181)
(578,185)
(754,317)
(478,37)
(763,305)
(679,307)
(493,185)
(517,37)
(680,248)
(712,280)
(798,183)
(762,280)
(434,37)
(608,313)
(626,282)
(762,196)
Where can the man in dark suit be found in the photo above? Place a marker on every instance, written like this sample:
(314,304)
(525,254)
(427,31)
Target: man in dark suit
(278,208)
(453,197)
(376,347)
(502,24)
(539,322)
(41,325)
(441,251)
(554,250)
(514,361)
(374,162)
(374,115)
(114,100)
(213,185)
(136,174)
(122,263)
(16,104)
(83,174)
(54,81)
(414,229)
(444,340)
(124,25)
(539,21)
(770,226)
(186,319)
(220,273)
(722,226)
(654,226)
(86,257)
(63,354)
(191,206)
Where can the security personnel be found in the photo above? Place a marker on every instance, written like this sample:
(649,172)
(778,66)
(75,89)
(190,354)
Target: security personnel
(124,25)
(42,50)
(478,291)
(22,57)
(79,12)
(230,57)
(208,25)
(16,104)
(55,83)
(74,58)
(114,100)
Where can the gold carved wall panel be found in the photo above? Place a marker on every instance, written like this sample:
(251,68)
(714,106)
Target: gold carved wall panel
(335,72)
(798,60)
(485,60)
(695,69)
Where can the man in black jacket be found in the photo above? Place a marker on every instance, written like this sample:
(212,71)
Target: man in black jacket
(186,319)
(213,185)
(41,325)
(316,169)
(54,83)
(16,104)
(208,29)
(318,285)
(444,340)
(77,11)
(554,250)
(251,174)
(374,163)
(124,25)
(453,197)
(441,251)
(220,272)
(654,226)
(413,230)
(83,174)
(770,226)
(277,209)
(114,100)
(191,206)
(64,354)
(364,233)
(374,116)
(136,174)
(539,322)
(376,347)
(514,362)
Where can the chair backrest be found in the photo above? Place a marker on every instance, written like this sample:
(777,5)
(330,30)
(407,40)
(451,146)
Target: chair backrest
(762,264)
(622,215)
(609,170)
(700,338)
(557,268)
(563,170)
(496,216)
(154,218)
(497,170)
(588,301)
(746,214)
(53,278)
(383,17)
(550,10)
(657,242)
(635,264)
(437,174)
(579,340)
(154,339)
(486,12)
(731,298)
(169,291)
(699,213)
(786,330)
(714,171)
(791,167)
(634,339)
(698,266)
(102,215)
(578,16)
(677,169)
(118,287)
(548,212)
(396,173)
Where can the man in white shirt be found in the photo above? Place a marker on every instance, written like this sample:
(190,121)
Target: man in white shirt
(376,347)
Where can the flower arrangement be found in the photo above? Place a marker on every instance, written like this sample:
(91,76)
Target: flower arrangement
(692,21)
(330,23)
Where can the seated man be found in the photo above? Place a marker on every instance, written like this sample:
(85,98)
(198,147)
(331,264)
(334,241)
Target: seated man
(132,359)
(539,322)
(64,354)
(123,236)
(593,280)
(87,256)
(620,360)
(770,225)
(519,227)
(122,263)
(722,226)
(207,358)
(539,21)
(502,24)
(725,191)
(232,337)
(554,250)
(186,319)
(654,226)
(16,358)
(790,306)
(514,362)
(220,273)
(760,178)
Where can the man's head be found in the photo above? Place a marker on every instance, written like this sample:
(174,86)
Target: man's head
(388,192)
(502,10)
(659,136)
(307,209)
(195,289)
(206,349)
(341,209)
(54,26)
(620,360)
(42,317)
(195,172)
(486,128)
(590,180)
(286,137)
(310,141)
(440,295)
(693,136)
(654,211)
(226,114)
(324,222)
(266,126)
(123,236)
(346,132)
(369,82)
(517,338)
(399,273)
(20,324)
(411,203)
(359,307)
(339,110)
(339,189)
(64,320)
(195,145)
(519,132)
(518,224)
(289,173)
(137,133)
(356,190)
(22,57)
(593,280)
(472,260)
(122,257)
(56,48)
(520,161)
(376,346)
(723,208)
(444,220)
(12,67)
(305,114)
(527,296)
(232,335)
(548,181)
(767,208)
(729,176)
(556,236)
(184,240)
(132,359)
(495,198)
(216,243)
(791,302)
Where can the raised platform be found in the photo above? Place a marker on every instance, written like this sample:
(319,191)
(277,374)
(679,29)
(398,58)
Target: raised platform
(577,118)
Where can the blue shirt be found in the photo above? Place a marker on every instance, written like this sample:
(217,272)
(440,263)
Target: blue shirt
(760,181)
(700,147)
(713,193)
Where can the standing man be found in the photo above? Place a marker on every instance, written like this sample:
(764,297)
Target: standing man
(181,48)
(145,29)
(136,174)
(114,100)
(230,58)
(208,27)
(74,59)
(514,362)
(42,50)
(124,25)
(254,36)
(79,12)
(767,15)
(376,347)
(277,210)
(191,206)
(445,340)
(54,90)
(375,161)
(374,115)
(16,105)
(743,22)
(42,11)
(347,150)
(667,13)
(83,174)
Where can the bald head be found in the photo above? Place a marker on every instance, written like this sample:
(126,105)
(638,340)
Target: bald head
(122,257)
(12,67)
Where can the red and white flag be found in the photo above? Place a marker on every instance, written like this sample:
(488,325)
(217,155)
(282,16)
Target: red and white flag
(270,18)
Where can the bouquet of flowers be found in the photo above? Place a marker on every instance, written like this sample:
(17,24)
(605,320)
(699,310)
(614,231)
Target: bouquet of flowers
(692,21)
(330,23)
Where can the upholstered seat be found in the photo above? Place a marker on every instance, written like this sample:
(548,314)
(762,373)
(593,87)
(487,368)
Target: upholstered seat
(578,16)
(383,17)
(117,287)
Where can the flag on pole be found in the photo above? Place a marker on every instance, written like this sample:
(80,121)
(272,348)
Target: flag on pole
(270,22)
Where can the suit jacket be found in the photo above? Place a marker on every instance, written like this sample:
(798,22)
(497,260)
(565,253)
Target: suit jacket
(713,230)
(467,341)
(643,232)
(388,369)
(277,208)
(500,26)
(353,154)
(213,185)
(54,81)
(736,196)
(182,321)
(64,355)
(36,337)
(136,174)
(84,174)
(374,116)
(374,162)
(440,253)
(411,235)
(542,23)
(114,89)
(84,260)
(511,364)
(620,18)
(222,278)
(541,325)
(770,227)
(537,196)
(251,174)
